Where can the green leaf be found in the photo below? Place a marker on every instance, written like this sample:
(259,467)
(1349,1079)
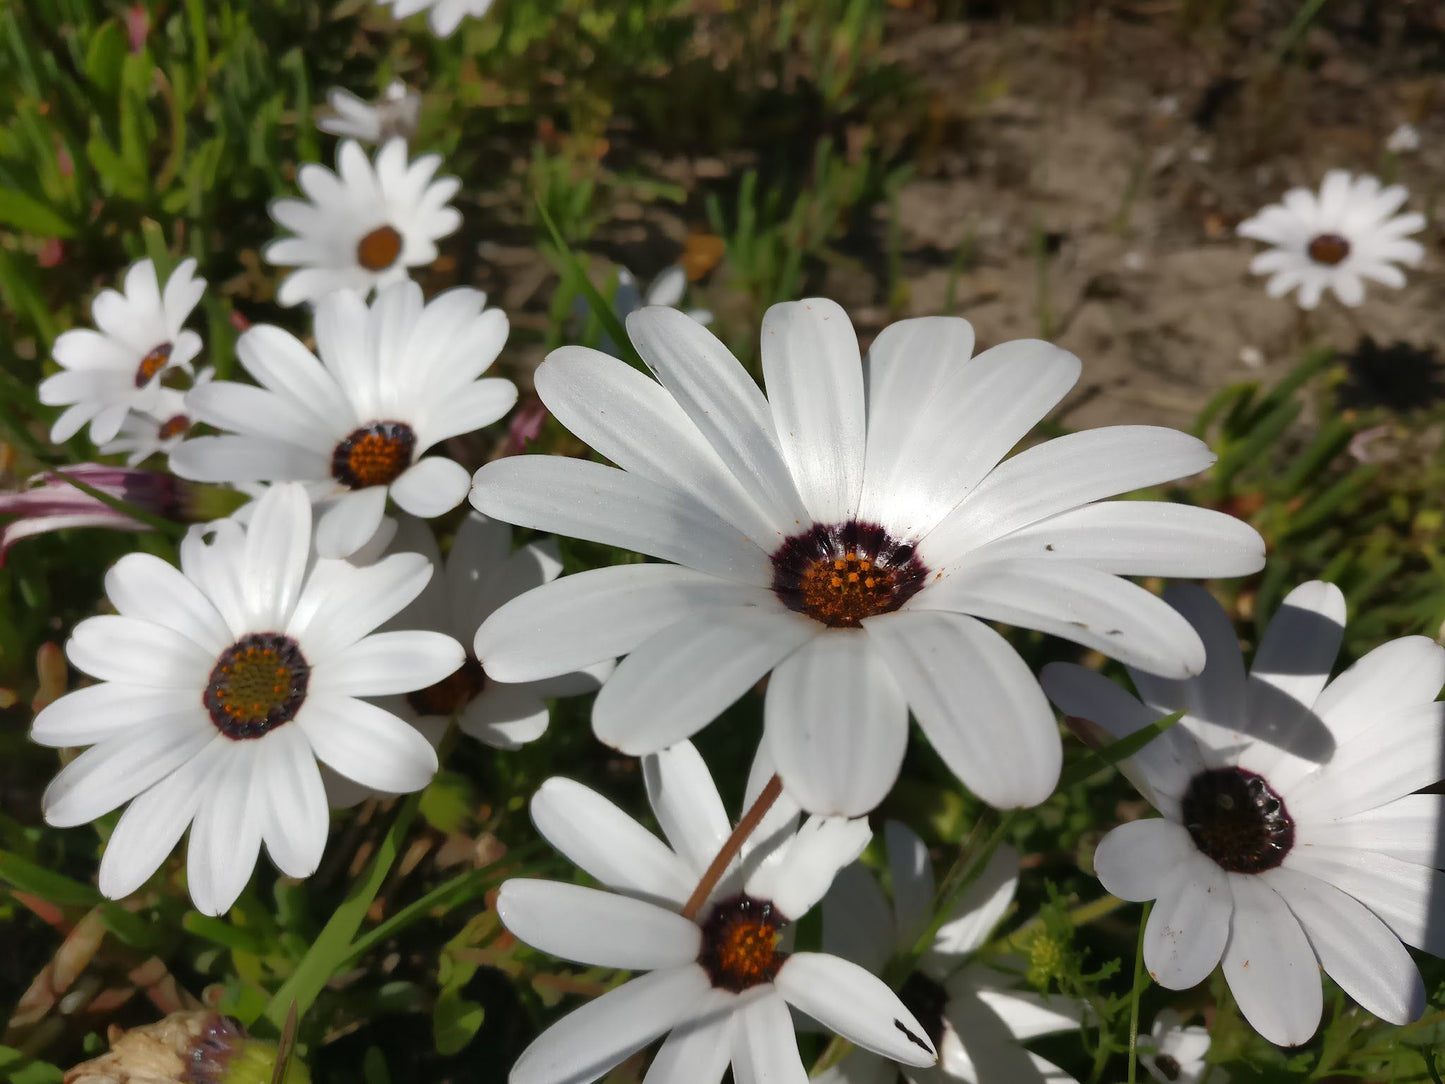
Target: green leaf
(447,802)
(50,886)
(454,1022)
(18,1068)
(27,213)
(104,57)
(1102,757)
(332,947)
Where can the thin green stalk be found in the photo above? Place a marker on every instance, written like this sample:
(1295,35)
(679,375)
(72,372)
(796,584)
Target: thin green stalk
(1134,996)
(332,949)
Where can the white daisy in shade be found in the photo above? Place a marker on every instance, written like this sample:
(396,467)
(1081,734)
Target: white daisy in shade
(481,571)
(1336,240)
(159,430)
(974,1018)
(393,380)
(108,372)
(1174,1054)
(720,985)
(443,16)
(221,685)
(363,226)
(394,116)
(853,533)
(1291,839)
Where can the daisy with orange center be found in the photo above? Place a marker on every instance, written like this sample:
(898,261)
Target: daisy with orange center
(392,380)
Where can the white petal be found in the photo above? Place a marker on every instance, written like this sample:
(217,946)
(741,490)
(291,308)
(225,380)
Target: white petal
(1028,1015)
(1270,967)
(1404,753)
(1291,665)
(603,504)
(910,871)
(1400,674)
(1139,860)
(1140,538)
(977,702)
(341,603)
(598,614)
(608,844)
(1189,924)
(431,486)
(695,1052)
(506,716)
(389,662)
(686,802)
(634,421)
(143,586)
(226,835)
(1163,768)
(1410,898)
(366,744)
(1100,611)
(154,822)
(278,544)
(114,648)
(1410,829)
(765,1045)
(350,521)
(294,800)
(723,402)
(590,1040)
(956,431)
(120,767)
(857,921)
(836,723)
(1061,474)
(1354,947)
(596,928)
(805,868)
(855,1004)
(981,907)
(814,376)
(279,362)
(698,670)
(94,713)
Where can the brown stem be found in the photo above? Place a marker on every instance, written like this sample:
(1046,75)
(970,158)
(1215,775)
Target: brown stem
(734,843)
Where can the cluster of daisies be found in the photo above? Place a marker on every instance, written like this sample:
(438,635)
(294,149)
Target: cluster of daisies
(853,533)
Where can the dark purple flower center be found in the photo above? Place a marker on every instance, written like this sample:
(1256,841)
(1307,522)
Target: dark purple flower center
(740,943)
(258,684)
(1236,819)
(841,573)
(1329,249)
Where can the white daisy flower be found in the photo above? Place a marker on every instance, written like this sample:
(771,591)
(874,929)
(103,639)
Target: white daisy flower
(159,430)
(363,226)
(1291,839)
(393,380)
(480,572)
(109,372)
(1336,240)
(974,1018)
(394,116)
(720,986)
(221,685)
(443,16)
(853,544)
(1174,1054)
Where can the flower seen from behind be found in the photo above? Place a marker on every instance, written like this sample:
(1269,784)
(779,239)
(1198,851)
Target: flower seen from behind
(719,987)
(364,226)
(392,380)
(852,534)
(116,368)
(394,116)
(221,684)
(1336,240)
(971,1012)
(1291,838)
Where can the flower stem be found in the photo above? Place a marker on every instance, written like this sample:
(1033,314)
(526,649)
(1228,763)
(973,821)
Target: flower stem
(730,848)
(1134,995)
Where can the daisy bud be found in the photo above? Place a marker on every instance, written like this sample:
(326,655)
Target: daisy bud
(198,1047)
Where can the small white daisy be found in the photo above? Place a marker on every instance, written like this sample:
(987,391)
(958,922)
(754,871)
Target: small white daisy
(160,429)
(1174,1054)
(1336,240)
(970,1011)
(221,685)
(109,372)
(1291,839)
(720,986)
(394,116)
(363,226)
(443,16)
(854,543)
(1405,139)
(393,380)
